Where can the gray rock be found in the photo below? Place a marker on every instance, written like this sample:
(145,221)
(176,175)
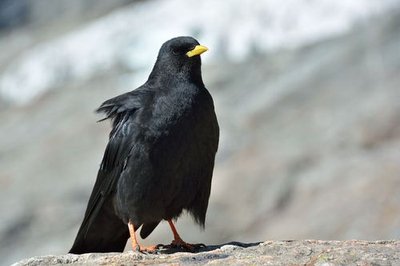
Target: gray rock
(306,252)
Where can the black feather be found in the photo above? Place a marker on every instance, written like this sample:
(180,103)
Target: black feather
(147,229)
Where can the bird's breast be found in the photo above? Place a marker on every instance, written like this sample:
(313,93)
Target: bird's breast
(175,109)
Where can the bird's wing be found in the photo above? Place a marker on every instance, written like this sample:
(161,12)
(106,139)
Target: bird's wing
(122,110)
(208,137)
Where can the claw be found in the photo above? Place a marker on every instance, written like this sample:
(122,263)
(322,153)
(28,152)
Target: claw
(149,249)
(135,245)
(179,243)
(199,245)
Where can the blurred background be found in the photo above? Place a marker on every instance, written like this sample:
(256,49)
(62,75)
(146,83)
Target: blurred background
(307,94)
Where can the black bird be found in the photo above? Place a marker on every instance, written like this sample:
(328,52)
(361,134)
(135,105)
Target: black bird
(160,156)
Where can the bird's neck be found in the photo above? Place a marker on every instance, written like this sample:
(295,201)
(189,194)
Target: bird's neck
(164,74)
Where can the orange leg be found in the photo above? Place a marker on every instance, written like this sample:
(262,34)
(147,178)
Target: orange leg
(135,244)
(178,242)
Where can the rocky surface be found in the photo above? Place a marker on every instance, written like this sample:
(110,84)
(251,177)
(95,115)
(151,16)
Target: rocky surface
(306,252)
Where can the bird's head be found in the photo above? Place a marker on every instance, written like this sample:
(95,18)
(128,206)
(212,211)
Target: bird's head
(180,57)
(183,48)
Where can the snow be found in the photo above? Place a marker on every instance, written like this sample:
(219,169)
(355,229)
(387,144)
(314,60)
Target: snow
(131,37)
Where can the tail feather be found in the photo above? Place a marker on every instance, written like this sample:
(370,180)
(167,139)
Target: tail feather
(147,229)
(107,233)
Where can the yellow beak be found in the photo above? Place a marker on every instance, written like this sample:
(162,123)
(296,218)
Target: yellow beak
(197,50)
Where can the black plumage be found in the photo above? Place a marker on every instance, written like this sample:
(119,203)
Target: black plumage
(160,156)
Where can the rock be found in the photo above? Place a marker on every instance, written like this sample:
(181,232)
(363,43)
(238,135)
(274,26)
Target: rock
(289,252)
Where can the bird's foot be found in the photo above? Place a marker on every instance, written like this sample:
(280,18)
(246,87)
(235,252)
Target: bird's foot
(180,244)
(146,249)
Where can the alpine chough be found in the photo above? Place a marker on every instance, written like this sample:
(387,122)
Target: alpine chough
(160,156)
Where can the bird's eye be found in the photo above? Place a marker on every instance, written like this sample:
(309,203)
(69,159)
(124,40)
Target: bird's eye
(175,51)
(181,50)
